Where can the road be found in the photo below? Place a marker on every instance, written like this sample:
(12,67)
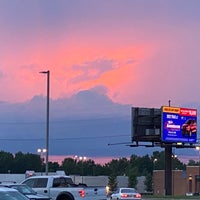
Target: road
(166,198)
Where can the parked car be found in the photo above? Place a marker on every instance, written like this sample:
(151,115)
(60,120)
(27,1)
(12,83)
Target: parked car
(126,193)
(11,194)
(27,191)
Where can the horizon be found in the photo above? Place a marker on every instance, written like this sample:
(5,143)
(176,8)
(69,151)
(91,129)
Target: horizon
(103,160)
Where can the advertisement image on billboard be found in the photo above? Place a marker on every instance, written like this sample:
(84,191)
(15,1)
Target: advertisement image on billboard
(179,124)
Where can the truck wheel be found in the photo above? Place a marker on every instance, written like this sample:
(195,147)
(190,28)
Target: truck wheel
(64,197)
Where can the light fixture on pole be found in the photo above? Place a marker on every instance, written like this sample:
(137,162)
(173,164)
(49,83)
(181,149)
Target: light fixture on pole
(47,121)
(41,152)
(154,162)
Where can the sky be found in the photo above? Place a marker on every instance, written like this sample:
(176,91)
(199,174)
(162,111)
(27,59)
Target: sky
(121,53)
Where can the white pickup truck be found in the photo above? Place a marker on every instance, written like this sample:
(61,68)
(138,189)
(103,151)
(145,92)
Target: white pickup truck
(62,188)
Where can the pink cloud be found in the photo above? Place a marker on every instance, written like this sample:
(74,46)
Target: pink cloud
(142,56)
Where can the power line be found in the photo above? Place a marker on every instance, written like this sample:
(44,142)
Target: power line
(65,138)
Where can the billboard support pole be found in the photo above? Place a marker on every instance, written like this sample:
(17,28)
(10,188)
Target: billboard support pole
(168,170)
(168,167)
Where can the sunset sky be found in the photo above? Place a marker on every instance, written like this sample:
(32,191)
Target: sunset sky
(142,52)
(135,52)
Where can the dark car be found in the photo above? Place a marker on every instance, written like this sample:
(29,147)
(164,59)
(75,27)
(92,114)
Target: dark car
(11,194)
(27,191)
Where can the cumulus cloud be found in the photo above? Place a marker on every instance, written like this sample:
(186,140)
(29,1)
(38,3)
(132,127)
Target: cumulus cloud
(86,103)
(89,117)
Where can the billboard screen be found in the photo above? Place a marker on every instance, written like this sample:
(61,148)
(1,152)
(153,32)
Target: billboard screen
(179,124)
(146,124)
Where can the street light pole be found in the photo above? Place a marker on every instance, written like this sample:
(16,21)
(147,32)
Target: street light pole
(41,151)
(154,163)
(153,174)
(81,159)
(174,156)
(47,121)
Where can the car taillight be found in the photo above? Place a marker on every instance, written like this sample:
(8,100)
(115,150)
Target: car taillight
(138,196)
(82,193)
(123,195)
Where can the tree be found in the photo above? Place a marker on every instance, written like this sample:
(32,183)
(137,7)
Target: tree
(54,166)
(89,167)
(100,170)
(177,164)
(119,167)
(69,166)
(27,161)
(132,177)
(192,163)
(144,165)
(158,160)
(112,182)
(133,167)
(149,182)
(6,162)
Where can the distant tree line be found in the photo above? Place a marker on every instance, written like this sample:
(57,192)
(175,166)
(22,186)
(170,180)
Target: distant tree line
(134,167)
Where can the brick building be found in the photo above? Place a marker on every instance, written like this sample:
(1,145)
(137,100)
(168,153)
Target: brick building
(182,181)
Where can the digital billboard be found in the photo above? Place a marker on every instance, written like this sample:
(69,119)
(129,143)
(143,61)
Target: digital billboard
(146,124)
(179,124)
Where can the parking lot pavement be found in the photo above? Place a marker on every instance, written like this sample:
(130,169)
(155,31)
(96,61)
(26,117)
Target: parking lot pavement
(168,198)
